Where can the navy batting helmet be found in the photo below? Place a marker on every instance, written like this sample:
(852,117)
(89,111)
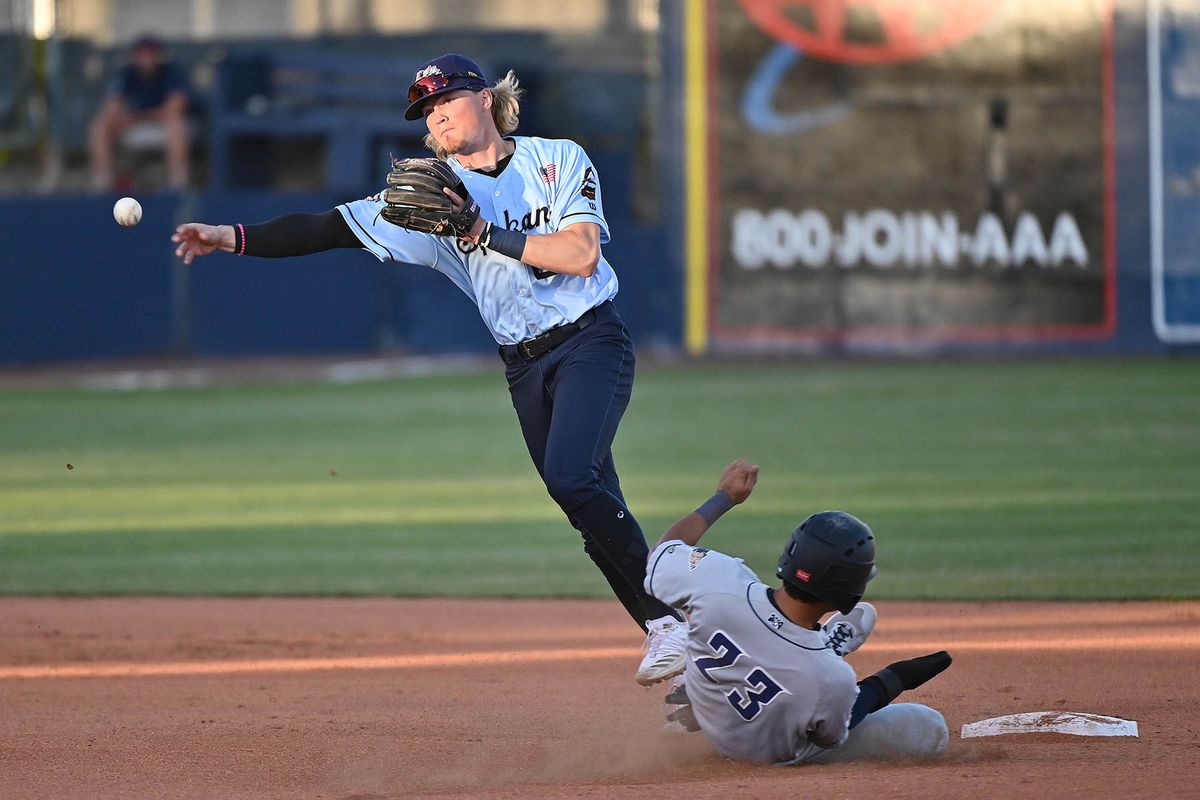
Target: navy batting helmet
(831,556)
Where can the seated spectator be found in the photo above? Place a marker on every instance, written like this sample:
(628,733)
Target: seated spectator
(150,89)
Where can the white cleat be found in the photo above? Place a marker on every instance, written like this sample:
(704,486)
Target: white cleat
(666,651)
(845,633)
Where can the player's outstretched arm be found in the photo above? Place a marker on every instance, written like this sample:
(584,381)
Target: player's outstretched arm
(736,484)
(197,239)
(289,235)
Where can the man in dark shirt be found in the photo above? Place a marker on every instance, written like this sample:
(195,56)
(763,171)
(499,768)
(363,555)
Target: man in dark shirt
(150,89)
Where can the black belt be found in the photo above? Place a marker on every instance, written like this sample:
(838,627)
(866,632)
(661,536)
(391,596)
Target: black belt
(540,345)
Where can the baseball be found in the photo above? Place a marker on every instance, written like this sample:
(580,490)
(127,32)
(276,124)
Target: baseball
(127,211)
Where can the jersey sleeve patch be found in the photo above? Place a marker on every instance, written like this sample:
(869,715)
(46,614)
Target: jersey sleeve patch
(577,193)
(679,574)
(666,573)
(588,187)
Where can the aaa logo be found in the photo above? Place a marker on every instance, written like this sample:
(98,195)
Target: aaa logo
(871,31)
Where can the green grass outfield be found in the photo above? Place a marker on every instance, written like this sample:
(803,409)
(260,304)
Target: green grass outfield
(1048,479)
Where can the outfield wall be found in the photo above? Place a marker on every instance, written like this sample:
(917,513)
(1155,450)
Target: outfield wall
(1029,186)
(98,290)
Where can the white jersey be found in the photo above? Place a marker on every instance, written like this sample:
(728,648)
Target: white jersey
(548,185)
(762,688)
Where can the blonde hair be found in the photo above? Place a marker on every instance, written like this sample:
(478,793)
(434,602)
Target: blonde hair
(506,110)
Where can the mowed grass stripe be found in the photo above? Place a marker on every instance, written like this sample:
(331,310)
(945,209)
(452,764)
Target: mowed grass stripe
(334,509)
(1008,479)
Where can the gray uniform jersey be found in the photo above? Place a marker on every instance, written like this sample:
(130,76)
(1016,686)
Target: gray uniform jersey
(762,688)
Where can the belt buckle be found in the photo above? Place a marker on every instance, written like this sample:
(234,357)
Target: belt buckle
(523,348)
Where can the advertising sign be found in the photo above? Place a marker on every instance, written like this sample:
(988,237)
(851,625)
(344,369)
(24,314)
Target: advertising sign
(896,171)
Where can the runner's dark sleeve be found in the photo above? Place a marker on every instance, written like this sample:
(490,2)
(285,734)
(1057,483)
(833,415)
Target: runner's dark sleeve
(294,235)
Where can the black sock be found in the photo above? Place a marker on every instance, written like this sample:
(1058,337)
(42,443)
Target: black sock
(915,671)
(889,682)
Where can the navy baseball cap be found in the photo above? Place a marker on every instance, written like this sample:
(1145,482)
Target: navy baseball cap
(443,74)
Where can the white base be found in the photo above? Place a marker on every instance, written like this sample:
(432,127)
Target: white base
(1075,723)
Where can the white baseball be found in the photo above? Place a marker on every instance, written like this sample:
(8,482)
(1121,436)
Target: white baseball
(127,211)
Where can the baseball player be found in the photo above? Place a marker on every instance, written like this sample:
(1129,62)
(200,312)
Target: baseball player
(516,223)
(764,680)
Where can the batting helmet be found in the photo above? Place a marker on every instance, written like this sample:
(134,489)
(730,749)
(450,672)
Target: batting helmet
(832,556)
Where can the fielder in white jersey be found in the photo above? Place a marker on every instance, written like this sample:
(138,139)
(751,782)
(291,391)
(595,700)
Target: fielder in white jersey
(533,266)
(764,681)
(544,186)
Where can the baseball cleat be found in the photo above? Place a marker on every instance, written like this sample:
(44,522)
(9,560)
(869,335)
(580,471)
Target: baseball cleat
(677,691)
(845,633)
(666,651)
(680,717)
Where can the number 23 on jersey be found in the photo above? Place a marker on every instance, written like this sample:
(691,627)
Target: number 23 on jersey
(757,688)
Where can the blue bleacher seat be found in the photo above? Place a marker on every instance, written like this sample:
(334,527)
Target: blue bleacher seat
(355,104)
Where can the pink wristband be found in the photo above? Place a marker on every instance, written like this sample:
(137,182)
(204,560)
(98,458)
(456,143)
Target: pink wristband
(241,251)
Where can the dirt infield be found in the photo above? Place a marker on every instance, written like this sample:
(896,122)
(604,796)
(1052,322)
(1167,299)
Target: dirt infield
(372,699)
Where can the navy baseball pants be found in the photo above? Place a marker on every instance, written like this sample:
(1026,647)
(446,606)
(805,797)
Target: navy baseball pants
(569,402)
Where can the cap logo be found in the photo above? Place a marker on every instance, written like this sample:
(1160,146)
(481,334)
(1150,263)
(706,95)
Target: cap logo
(432,69)
(802,575)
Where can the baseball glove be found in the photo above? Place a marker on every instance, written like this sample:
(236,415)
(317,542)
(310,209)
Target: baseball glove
(415,200)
